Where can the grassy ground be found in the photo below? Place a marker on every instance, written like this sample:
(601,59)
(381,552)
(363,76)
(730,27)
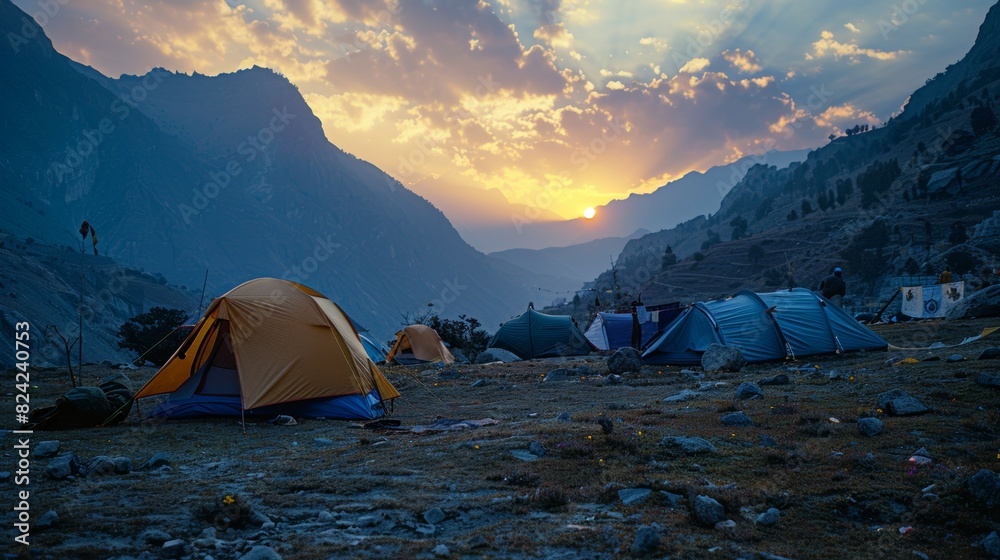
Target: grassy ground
(841,494)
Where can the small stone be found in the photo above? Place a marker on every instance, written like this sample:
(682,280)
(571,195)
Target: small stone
(899,403)
(477,542)
(991,545)
(955,358)
(769,517)
(988,379)
(632,496)
(768,441)
(564,417)
(323,441)
(647,540)
(476,383)
(684,395)
(748,390)
(45,449)
(922,452)
(673,500)
(261,553)
(98,466)
(726,524)
(282,420)
(524,455)
(48,519)
(123,465)
(366,521)
(990,354)
(687,445)
(63,466)
(613,379)
(537,448)
(870,426)
(154,537)
(985,488)
(441,551)
(780,379)
(738,419)
(625,360)
(172,548)
(434,515)
(708,511)
(157,460)
(560,374)
(425,530)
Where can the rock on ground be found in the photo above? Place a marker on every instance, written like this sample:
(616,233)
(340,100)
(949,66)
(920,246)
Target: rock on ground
(261,553)
(991,545)
(870,426)
(708,511)
(632,496)
(647,540)
(157,460)
(984,303)
(769,517)
(989,379)
(898,402)
(496,355)
(748,390)
(738,419)
(625,360)
(780,379)
(45,449)
(48,519)
(985,488)
(63,466)
(687,445)
(722,358)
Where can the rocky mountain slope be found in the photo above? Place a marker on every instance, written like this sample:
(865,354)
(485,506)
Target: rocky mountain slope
(232,174)
(905,198)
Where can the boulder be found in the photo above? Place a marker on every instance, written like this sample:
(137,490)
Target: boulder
(496,355)
(870,426)
(708,511)
(687,445)
(769,517)
(898,402)
(985,488)
(46,449)
(984,303)
(625,360)
(647,540)
(722,358)
(63,466)
(738,419)
(748,390)
(991,379)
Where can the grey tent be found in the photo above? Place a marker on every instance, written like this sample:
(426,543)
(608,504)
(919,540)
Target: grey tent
(764,327)
(537,335)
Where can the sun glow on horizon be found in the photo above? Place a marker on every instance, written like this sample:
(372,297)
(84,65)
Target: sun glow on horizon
(589,213)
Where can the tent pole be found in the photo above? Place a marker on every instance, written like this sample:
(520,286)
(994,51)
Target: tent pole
(878,316)
(243,419)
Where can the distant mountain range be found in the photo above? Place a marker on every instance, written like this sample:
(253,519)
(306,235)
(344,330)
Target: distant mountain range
(680,200)
(904,199)
(231,174)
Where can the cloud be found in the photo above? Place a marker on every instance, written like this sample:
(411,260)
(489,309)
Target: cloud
(837,116)
(695,65)
(658,44)
(851,27)
(828,46)
(745,62)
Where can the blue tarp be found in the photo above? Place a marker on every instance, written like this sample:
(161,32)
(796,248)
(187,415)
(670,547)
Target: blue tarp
(611,331)
(764,327)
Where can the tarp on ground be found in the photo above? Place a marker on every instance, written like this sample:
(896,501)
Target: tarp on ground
(764,327)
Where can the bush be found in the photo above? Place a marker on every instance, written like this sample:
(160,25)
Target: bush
(153,334)
(462,333)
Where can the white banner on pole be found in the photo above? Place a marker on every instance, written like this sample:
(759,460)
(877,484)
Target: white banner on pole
(925,302)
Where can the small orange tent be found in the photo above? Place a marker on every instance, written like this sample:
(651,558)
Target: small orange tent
(419,343)
(270,347)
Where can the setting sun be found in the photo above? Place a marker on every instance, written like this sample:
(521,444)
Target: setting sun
(589,213)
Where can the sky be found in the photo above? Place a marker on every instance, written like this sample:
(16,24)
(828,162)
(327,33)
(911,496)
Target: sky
(558,104)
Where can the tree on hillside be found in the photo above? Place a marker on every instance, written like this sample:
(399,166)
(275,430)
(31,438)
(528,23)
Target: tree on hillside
(669,259)
(807,208)
(463,333)
(713,239)
(740,227)
(983,120)
(153,335)
(755,253)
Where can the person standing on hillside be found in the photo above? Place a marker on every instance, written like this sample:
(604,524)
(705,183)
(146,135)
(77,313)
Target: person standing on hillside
(946,276)
(833,287)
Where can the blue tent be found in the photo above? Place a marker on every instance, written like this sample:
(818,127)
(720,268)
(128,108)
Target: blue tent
(610,331)
(764,327)
(536,335)
(374,350)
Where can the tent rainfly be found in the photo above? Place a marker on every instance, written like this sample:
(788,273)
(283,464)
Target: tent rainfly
(536,335)
(764,327)
(375,350)
(271,347)
(611,331)
(419,343)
